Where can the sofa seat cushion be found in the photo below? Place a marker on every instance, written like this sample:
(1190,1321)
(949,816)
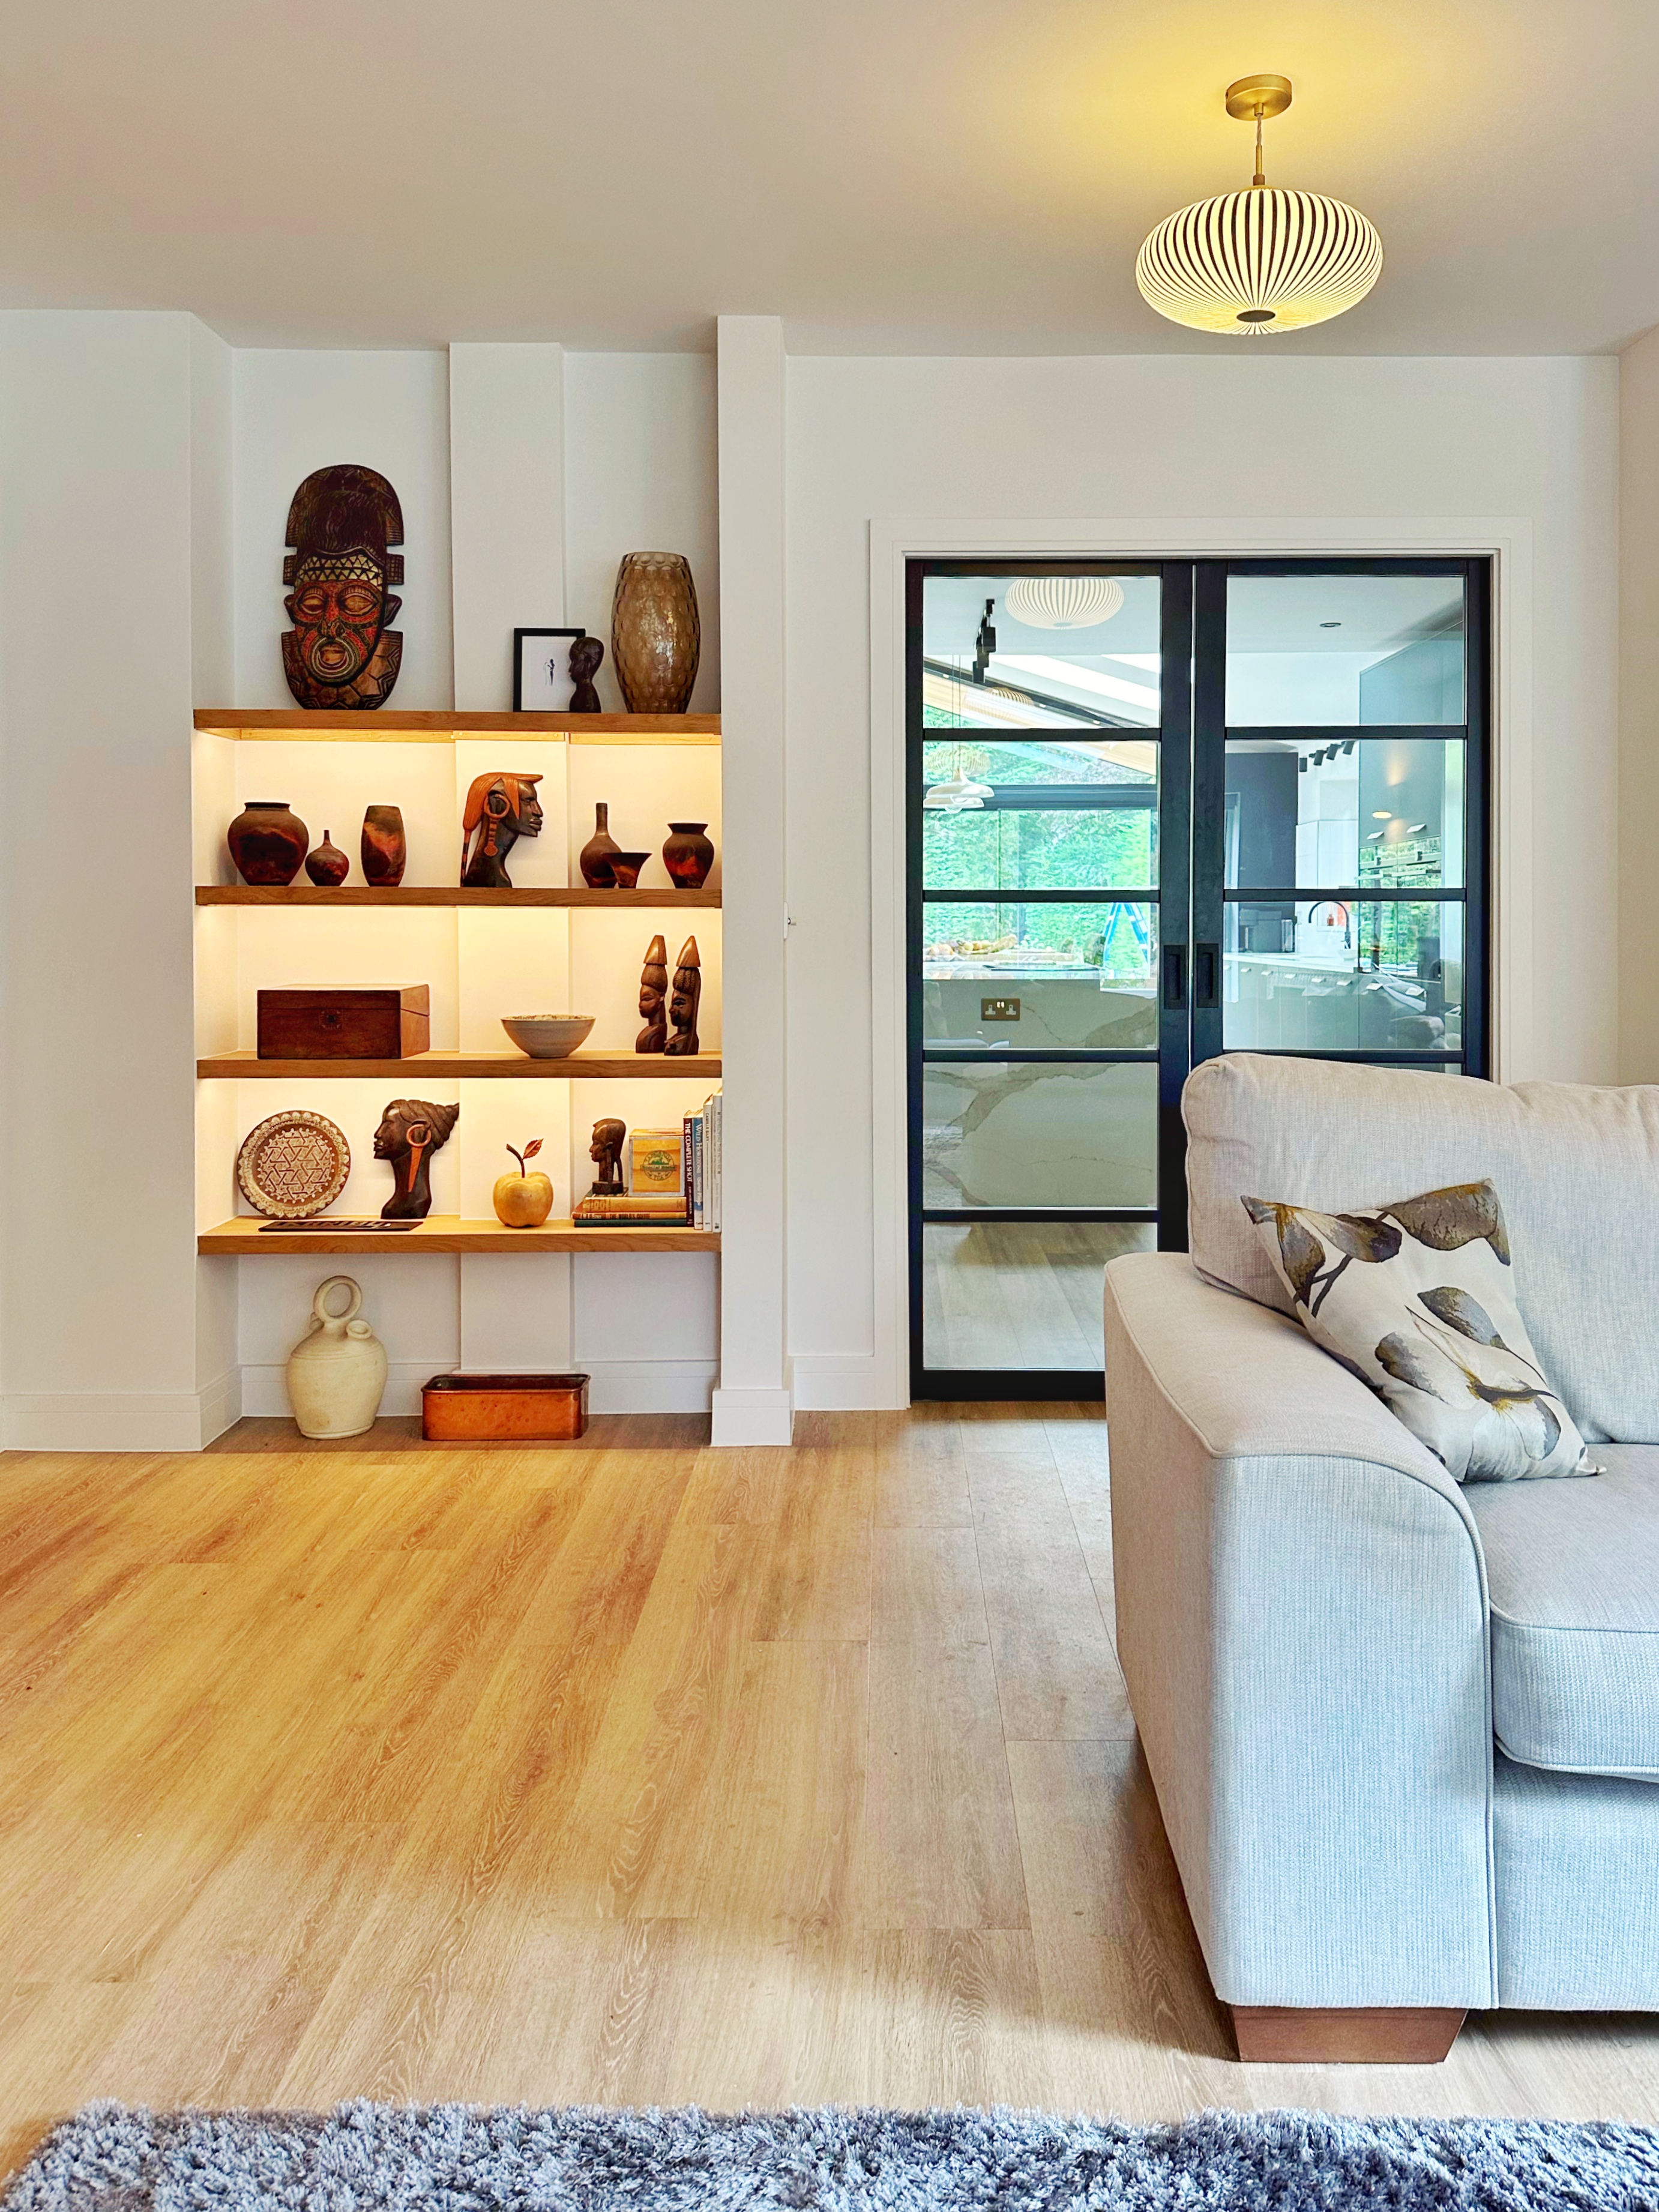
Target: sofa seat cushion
(1573,1571)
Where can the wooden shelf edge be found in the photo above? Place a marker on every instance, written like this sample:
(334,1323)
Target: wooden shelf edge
(442,726)
(447,1233)
(576,1067)
(443,895)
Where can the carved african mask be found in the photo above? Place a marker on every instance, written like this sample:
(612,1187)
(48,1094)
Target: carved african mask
(340,652)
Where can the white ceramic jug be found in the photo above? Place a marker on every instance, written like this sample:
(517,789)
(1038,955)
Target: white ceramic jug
(337,1372)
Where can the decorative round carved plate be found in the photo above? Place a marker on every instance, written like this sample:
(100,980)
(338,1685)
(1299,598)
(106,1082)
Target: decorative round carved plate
(293,1164)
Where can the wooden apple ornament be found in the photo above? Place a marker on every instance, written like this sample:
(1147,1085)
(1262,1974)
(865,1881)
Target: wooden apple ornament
(523,1201)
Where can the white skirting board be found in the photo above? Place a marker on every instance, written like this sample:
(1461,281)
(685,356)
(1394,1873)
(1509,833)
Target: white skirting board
(827,1383)
(120,1421)
(752,1417)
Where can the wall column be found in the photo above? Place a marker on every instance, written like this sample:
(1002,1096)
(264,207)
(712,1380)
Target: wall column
(754,1402)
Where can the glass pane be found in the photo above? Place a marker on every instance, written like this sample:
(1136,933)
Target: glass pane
(1028,1133)
(1014,653)
(1374,977)
(1357,813)
(1333,651)
(989,822)
(1041,976)
(1013,1294)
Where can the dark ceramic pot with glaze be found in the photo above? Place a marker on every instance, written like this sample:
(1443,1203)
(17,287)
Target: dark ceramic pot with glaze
(328,867)
(688,855)
(656,633)
(595,857)
(268,841)
(385,849)
(625,870)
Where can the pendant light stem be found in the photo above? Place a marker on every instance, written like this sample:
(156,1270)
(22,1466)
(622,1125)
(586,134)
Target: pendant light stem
(1260,177)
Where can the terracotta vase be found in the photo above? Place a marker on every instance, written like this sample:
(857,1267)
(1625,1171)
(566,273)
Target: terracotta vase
(385,851)
(655,634)
(625,870)
(268,841)
(688,855)
(328,866)
(337,1372)
(594,859)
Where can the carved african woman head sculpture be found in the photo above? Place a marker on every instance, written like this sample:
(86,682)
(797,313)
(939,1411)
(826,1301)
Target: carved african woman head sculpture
(605,1152)
(683,1006)
(653,999)
(410,1131)
(585,654)
(499,810)
(341,651)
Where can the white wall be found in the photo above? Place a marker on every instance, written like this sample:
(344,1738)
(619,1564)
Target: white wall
(113,471)
(1638,710)
(1035,440)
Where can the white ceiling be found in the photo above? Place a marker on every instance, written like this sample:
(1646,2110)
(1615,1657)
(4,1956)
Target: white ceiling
(889,175)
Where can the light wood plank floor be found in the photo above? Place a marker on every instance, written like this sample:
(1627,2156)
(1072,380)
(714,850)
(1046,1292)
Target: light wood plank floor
(627,1771)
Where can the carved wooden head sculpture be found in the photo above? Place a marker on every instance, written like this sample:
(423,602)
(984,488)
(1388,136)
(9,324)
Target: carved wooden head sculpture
(499,810)
(683,1006)
(410,1131)
(605,1152)
(653,999)
(341,650)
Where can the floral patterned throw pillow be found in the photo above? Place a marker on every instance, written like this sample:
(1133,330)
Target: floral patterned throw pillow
(1418,1300)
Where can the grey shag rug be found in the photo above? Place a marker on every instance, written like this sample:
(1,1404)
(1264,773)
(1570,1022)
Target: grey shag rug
(111,2158)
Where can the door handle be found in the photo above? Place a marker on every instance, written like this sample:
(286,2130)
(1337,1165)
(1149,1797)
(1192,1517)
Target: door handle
(1205,961)
(1175,977)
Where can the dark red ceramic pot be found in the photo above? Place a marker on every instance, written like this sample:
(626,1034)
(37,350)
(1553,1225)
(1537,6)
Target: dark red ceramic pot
(328,866)
(268,841)
(688,855)
(385,852)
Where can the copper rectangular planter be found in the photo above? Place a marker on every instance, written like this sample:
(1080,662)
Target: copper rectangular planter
(475,1409)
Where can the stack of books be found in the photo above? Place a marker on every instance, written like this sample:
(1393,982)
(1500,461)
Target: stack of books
(631,1209)
(702,1164)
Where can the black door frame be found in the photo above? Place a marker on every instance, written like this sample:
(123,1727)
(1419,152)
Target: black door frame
(1189,897)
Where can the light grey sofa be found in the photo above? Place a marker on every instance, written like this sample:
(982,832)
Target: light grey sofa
(1404,1736)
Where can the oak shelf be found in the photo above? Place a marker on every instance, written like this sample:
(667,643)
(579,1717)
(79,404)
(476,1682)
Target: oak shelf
(576,1067)
(447,1232)
(387,726)
(440,895)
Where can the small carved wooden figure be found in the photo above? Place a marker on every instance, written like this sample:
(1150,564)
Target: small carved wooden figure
(683,1006)
(341,650)
(410,1131)
(585,654)
(653,999)
(605,1152)
(499,810)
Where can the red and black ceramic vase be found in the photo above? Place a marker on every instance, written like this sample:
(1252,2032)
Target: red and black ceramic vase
(596,856)
(688,855)
(385,850)
(328,867)
(268,841)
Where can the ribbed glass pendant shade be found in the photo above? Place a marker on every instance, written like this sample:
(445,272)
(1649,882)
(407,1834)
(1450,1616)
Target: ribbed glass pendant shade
(1063,602)
(1255,261)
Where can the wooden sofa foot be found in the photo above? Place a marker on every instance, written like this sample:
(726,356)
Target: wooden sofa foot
(1288,2035)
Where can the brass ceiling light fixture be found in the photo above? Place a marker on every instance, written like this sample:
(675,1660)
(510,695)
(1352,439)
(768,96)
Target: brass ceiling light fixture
(1264,260)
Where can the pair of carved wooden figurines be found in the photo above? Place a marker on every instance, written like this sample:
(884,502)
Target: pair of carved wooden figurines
(659,1006)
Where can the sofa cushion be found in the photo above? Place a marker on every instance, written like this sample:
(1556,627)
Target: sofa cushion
(1573,1572)
(1578,1168)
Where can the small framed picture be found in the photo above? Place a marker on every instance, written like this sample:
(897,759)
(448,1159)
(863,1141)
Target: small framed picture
(542,682)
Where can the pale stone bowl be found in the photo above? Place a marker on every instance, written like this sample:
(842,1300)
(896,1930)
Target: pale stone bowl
(547,1036)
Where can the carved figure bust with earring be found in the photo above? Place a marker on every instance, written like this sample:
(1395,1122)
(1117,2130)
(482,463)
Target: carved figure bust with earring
(410,1131)
(499,810)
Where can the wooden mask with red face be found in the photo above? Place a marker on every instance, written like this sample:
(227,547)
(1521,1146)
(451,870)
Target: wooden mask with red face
(341,651)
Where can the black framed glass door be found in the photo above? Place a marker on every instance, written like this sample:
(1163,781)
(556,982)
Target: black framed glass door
(1157,811)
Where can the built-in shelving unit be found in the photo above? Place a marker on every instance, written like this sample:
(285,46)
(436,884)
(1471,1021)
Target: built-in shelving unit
(511,1066)
(243,1238)
(408,895)
(569,948)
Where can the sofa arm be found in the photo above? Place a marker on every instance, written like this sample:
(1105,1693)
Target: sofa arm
(1302,1624)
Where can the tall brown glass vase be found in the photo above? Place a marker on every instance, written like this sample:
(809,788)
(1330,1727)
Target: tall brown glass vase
(655,633)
